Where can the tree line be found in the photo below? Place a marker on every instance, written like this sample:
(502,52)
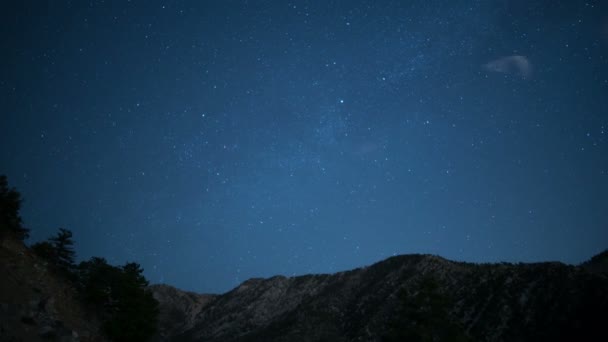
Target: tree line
(118,294)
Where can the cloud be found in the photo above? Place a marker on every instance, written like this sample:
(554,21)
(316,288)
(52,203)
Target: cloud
(514,65)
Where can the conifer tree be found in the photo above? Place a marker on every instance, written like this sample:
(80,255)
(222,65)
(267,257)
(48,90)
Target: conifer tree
(129,311)
(10,204)
(64,249)
(58,250)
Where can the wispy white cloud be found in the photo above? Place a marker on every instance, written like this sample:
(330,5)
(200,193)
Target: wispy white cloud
(516,65)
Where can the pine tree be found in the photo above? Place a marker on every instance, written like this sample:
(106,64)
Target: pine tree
(134,273)
(58,250)
(10,204)
(64,249)
(129,311)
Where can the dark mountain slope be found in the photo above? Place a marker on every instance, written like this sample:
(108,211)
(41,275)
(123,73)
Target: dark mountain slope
(409,297)
(414,297)
(178,309)
(597,264)
(38,305)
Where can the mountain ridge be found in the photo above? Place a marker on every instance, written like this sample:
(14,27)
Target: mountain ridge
(490,301)
(404,297)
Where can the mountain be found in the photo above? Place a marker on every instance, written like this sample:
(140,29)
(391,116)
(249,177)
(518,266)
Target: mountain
(178,309)
(408,297)
(403,298)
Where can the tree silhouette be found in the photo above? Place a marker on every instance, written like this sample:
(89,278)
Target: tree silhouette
(58,250)
(10,204)
(134,273)
(64,249)
(129,311)
(45,250)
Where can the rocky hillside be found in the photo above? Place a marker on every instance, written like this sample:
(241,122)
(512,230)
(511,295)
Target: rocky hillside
(409,297)
(37,305)
(178,309)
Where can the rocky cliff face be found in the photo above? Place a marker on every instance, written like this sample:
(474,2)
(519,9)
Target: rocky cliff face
(410,296)
(178,309)
(37,305)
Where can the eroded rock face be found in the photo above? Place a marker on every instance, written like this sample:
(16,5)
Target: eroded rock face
(487,302)
(178,309)
(37,305)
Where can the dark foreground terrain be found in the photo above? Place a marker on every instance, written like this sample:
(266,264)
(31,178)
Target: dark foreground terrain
(36,304)
(403,298)
(408,297)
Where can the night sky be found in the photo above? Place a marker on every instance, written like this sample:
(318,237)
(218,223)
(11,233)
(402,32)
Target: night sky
(215,141)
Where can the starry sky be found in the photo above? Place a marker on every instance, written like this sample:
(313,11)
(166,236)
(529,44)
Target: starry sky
(215,141)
